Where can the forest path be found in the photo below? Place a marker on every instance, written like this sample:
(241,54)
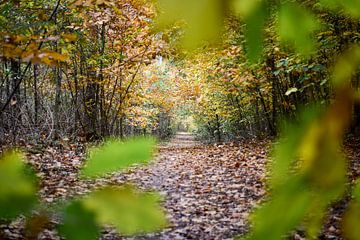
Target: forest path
(181,140)
(209,190)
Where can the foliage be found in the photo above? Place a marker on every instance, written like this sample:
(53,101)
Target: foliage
(103,62)
(18,191)
(308,171)
(115,155)
(129,210)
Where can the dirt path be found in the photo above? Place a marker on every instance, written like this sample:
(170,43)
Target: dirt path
(209,190)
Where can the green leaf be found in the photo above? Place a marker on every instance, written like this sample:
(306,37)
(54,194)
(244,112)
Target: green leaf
(351,7)
(128,210)
(283,212)
(291,90)
(296,26)
(284,154)
(203,19)
(17,186)
(351,221)
(346,66)
(79,223)
(254,34)
(116,155)
(356,191)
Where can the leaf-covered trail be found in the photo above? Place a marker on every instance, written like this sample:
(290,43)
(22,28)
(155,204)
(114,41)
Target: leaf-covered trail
(208,189)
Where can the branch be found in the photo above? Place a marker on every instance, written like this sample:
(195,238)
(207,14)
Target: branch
(28,65)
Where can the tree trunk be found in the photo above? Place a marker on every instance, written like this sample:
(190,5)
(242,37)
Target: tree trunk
(57,104)
(90,110)
(218,132)
(36,99)
(16,101)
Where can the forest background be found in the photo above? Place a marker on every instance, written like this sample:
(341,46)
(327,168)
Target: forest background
(89,70)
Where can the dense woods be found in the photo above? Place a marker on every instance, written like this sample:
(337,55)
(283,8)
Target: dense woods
(79,72)
(237,73)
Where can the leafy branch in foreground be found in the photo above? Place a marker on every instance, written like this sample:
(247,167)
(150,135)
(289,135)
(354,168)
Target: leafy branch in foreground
(127,209)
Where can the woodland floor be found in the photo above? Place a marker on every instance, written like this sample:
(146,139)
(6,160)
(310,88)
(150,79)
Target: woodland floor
(209,190)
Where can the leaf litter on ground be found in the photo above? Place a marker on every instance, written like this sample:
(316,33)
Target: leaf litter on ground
(208,190)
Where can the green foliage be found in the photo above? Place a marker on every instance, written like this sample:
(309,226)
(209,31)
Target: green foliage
(283,212)
(126,209)
(351,7)
(116,155)
(198,16)
(356,191)
(254,34)
(346,66)
(17,186)
(352,216)
(303,183)
(296,25)
(79,223)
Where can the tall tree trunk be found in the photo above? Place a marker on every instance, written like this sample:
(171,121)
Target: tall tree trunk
(218,125)
(103,115)
(121,127)
(57,104)
(16,98)
(90,122)
(271,64)
(267,114)
(36,99)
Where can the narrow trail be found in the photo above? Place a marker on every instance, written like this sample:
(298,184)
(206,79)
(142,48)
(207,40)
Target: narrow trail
(209,190)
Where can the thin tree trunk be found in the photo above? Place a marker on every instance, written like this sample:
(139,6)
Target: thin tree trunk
(36,99)
(57,105)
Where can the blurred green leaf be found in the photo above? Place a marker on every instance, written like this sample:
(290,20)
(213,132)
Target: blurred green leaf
(302,182)
(254,33)
(284,154)
(356,191)
(246,8)
(17,186)
(116,154)
(352,216)
(346,66)
(126,209)
(283,212)
(351,7)
(296,26)
(203,19)
(351,221)
(78,223)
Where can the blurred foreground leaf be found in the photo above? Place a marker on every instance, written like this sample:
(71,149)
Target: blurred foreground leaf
(203,19)
(351,7)
(255,15)
(79,223)
(308,171)
(116,155)
(296,25)
(17,186)
(346,66)
(351,220)
(283,212)
(128,210)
